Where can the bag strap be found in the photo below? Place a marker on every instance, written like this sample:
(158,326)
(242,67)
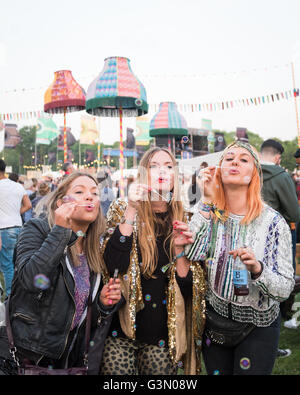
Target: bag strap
(12,347)
(88,328)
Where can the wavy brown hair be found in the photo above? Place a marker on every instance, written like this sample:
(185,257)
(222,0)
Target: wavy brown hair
(91,243)
(149,226)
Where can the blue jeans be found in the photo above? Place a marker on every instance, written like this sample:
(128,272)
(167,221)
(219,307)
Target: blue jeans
(9,239)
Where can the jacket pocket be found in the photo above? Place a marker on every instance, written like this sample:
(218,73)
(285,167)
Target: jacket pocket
(24,317)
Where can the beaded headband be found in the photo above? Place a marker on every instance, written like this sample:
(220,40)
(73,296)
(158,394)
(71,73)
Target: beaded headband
(250,149)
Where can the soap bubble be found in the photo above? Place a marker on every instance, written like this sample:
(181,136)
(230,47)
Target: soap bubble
(114,333)
(216,372)
(41,281)
(68,199)
(185,140)
(148,297)
(245,363)
(161,343)
(122,239)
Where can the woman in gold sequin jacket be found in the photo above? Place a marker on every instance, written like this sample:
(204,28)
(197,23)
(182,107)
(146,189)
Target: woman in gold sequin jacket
(160,327)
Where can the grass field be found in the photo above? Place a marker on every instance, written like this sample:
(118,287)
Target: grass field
(289,338)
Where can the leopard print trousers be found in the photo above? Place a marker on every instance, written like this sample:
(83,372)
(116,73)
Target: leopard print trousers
(132,357)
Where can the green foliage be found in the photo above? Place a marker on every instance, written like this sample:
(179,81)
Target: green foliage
(290,147)
(25,150)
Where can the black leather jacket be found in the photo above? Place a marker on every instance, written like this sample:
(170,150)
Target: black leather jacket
(41,318)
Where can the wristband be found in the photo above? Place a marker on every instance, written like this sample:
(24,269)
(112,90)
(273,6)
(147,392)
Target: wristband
(179,255)
(206,207)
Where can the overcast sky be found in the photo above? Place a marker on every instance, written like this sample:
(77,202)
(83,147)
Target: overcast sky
(190,51)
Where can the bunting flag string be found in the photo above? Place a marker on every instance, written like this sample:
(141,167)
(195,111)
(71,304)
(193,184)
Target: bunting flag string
(186,107)
(167,75)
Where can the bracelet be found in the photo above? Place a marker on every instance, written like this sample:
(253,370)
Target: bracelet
(206,207)
(179,255)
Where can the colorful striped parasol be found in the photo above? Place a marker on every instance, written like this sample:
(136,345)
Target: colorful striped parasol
(168,122)
(64,95)
(117,92)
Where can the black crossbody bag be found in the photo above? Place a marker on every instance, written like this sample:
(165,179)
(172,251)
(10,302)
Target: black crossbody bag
(224,331)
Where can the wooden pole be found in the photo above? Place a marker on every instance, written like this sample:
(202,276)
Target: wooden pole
(65,138)
(121,164)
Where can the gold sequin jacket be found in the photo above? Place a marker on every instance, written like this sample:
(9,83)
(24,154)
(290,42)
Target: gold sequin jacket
(186,318)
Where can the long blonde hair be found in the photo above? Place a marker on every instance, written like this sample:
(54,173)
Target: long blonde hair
(91,244)
(147,223)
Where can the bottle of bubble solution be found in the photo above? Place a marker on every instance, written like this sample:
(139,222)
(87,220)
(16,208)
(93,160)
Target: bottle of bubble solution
(240,278)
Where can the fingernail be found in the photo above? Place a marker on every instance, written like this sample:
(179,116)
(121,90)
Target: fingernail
(110,301)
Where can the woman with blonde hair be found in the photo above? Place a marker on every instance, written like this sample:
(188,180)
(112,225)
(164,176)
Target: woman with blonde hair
(58,273)
(247,248)
(160,326)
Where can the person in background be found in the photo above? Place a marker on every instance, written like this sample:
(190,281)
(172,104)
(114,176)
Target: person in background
(13,177)
(29,188)
(279,192)
(297,182)
(43,190)
(106,192)
(194,192)
(14,202)
(67,168)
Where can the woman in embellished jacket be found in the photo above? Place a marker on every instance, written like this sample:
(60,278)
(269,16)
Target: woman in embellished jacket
(160,327)
(231,221)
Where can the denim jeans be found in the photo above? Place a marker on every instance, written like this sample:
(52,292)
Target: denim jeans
(9,238)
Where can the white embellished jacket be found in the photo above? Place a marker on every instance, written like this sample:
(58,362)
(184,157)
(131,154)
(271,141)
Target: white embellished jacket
(270,239)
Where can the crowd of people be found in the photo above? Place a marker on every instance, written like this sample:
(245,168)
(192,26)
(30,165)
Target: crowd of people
(160,277)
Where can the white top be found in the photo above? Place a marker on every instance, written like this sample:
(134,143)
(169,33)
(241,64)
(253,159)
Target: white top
(11,195)
(270,238)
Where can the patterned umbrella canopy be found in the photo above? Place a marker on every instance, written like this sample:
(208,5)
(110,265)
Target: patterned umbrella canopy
(167,121)
(117,92)
(115,88)
(64,95)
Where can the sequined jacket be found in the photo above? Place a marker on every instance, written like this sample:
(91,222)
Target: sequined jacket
(270,239)
(185,319)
